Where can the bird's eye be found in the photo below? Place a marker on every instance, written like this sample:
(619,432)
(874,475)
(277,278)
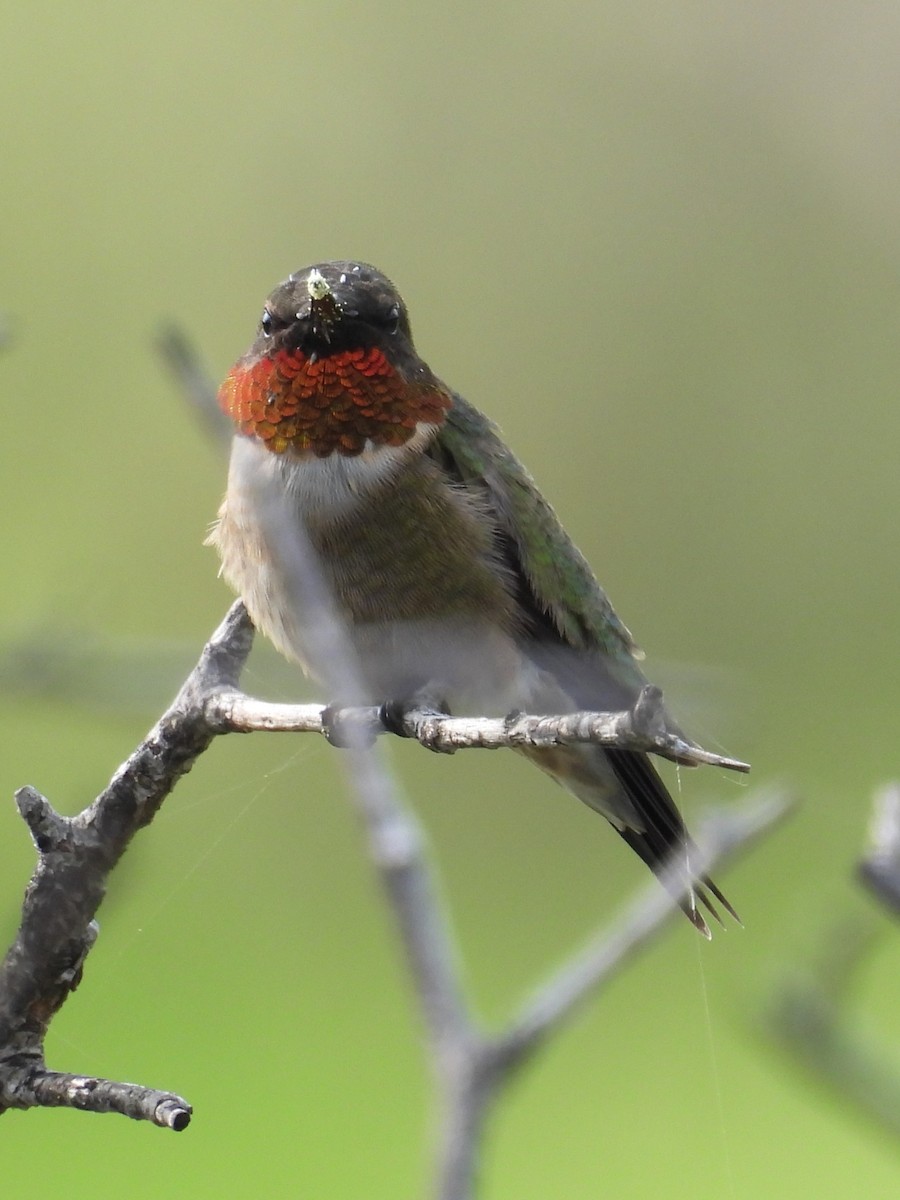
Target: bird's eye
(265,323)
(392,318)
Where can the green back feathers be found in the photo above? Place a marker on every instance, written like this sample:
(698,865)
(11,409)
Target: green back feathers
(561,582)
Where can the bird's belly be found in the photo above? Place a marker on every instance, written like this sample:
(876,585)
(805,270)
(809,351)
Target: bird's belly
(407,559)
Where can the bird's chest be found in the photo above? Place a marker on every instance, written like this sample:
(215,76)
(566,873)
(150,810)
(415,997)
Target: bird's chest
(406,555)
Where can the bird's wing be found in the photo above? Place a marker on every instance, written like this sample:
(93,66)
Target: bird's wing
(571,631)
(565,609)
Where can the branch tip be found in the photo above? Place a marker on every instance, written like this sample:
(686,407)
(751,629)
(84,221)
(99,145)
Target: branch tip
(226,652)
(879,869)
(48,829)
(173,1114)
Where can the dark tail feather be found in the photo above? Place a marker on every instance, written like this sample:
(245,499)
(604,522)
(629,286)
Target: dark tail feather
(664,838)
(708,883)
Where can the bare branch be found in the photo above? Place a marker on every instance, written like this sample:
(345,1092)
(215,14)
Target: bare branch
(814,1016)
(483,1065)
(814,1011)
(194,382)
(45,962)
(31,1087)
(721,834)
(880,868)
(396,842)
(640,728)
(76,855)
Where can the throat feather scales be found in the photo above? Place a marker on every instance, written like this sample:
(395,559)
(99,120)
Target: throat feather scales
(340,404)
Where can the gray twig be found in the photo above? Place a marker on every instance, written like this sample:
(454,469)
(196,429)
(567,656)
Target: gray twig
(178,353)
(76,855)
(480,1067)
(625,730)
(34,1086)
(814,1011)
(880,868)
(719,836)
(814,1016)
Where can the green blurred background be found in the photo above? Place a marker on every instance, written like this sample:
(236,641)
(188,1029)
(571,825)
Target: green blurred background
(659,243)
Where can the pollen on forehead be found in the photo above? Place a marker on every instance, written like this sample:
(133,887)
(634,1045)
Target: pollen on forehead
(317,285)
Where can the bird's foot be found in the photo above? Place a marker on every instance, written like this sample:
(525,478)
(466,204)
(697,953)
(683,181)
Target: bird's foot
(648,715)
(393,715)
(417,717)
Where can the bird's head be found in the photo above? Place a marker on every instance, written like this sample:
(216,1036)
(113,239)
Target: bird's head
(333,369)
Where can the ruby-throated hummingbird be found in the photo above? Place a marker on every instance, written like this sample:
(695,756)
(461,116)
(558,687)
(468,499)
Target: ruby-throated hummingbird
(451,571)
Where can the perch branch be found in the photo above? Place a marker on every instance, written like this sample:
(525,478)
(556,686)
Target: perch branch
(76,855)
(640,728)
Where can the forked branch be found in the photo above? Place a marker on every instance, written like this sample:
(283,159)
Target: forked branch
(76,855)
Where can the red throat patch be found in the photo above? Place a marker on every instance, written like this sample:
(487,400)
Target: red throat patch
(332,405)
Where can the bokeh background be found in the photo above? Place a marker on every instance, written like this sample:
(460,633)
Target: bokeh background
(660,244)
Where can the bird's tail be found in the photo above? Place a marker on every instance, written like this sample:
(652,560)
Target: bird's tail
(624,787)
(662,840)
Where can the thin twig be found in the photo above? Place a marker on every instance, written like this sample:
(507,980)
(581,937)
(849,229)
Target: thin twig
(814,1016)
(178,353)
(484,1065)
(813,1013)
(719,836)
(53,1089)
(625,730)
(880,868)
(469,1067)
(396,842)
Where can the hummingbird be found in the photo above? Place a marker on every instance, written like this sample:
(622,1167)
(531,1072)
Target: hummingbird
(453,575)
